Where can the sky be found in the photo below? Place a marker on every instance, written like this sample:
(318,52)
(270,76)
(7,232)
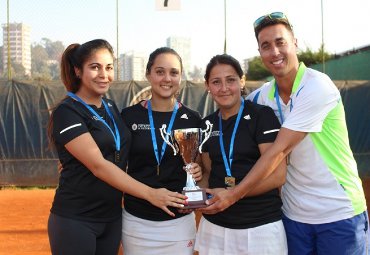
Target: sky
(143,28)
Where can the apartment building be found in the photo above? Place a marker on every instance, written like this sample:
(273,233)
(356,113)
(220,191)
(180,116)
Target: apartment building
(20,46)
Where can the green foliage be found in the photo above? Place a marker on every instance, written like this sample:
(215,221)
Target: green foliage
(308,57)
(45,63)
(18,71)
(257,70)
(53,49)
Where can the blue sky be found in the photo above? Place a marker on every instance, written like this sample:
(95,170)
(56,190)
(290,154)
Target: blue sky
(143,28)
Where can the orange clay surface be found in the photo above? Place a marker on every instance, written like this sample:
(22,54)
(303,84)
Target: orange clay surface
(23,220)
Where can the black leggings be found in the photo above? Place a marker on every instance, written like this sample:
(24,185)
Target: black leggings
(69,237)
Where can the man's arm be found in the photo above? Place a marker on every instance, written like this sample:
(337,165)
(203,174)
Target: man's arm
(285,142)
(275,180)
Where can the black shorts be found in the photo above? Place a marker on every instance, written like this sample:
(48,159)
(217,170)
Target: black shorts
(69,236)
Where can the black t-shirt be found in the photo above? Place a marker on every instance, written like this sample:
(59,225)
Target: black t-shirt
(255,120)
(81,195)
(142,163)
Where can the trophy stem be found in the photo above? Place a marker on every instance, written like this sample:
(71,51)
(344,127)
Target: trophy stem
(190,182)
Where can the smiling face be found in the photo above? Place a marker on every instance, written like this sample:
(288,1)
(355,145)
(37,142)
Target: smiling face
(224,84)
(165,76)
(277,47)
(97,73)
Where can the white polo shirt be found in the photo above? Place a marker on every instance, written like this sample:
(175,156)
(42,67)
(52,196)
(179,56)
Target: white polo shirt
(322,183)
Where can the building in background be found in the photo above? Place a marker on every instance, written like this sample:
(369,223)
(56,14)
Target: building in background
(132,66)
(183,46)
(20,46)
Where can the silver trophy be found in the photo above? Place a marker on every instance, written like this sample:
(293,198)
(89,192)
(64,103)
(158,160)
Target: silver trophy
(188,142)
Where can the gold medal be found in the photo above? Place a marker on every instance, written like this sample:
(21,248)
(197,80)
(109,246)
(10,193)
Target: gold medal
(157,169)
(230,181)
(116,156)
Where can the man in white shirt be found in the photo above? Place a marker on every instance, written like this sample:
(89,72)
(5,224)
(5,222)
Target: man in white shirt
(324,204)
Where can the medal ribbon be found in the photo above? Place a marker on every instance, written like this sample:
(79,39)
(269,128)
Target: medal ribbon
(297,81)
(152,131)
(116,135)
(279,105)
(229,162)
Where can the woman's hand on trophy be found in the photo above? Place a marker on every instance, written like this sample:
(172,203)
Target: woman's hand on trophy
(220,199)
(162,198)
(196,171)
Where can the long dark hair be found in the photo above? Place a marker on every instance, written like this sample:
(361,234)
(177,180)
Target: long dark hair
(159,51)
(75,56)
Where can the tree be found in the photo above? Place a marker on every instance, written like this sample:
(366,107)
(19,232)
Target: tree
(257,70)
(54,49)
(18,70)
(39,62)
(45,61)
(311,58)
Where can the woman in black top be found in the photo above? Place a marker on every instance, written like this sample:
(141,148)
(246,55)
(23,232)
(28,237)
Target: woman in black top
(92,143)
(147,230)
(241,132)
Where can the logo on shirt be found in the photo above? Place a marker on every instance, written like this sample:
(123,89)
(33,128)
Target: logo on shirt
(135,127)
(247,117)
(190,244)
(215,133)
(184,116)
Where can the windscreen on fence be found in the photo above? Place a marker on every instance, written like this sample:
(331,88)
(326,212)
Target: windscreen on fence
(25,155)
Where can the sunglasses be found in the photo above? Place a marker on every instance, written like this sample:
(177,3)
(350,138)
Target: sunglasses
(271,16)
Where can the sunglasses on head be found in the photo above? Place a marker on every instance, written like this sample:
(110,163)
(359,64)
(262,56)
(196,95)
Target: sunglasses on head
(271,16)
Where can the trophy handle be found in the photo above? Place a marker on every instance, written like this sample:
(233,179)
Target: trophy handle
(166,139)
(207,134)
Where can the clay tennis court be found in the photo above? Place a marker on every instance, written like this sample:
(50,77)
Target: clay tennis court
(23,220)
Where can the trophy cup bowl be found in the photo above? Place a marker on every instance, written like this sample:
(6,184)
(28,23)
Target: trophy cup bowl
(188,142)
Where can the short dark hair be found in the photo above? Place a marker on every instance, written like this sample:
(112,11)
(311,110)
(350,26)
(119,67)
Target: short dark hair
(226,60)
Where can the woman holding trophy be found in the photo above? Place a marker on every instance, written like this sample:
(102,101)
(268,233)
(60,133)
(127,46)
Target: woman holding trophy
(146,229)
(242,131)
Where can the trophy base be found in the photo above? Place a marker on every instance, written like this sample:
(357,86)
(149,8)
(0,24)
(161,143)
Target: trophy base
(196,198)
